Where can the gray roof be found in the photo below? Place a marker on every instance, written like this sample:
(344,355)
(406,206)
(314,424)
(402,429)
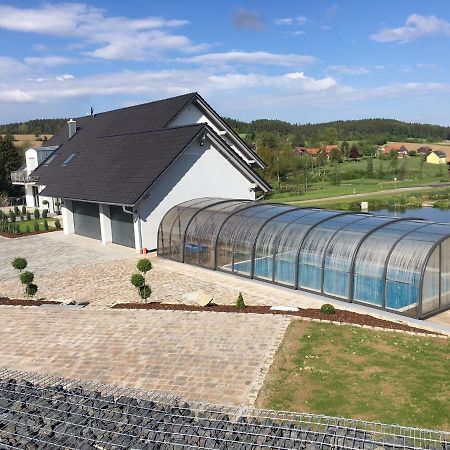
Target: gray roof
(134,119)
(113,169)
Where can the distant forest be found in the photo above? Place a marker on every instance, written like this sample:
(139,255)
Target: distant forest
(36,127)
(374,131)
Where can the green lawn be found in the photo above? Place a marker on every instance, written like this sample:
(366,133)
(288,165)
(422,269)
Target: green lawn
(431,174)
(361,373)
(23,224)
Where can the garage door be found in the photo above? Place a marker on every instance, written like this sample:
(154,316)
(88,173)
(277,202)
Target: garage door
(86,219)
(122,227)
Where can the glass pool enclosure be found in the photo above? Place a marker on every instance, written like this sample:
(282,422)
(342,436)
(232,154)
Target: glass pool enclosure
(397,264)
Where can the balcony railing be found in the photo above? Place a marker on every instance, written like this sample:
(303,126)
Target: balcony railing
(21,176)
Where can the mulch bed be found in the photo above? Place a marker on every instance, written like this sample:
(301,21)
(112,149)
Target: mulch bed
(19,302)
(340,315)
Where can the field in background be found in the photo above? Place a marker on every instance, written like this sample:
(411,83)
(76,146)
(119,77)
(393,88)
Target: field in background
(361,373)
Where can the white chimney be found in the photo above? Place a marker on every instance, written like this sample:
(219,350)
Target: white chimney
(72,124)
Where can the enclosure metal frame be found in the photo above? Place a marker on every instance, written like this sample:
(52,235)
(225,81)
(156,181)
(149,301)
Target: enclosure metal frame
(249,204)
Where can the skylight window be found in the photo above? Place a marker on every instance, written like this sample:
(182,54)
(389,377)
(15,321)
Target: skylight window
(69,159)
(49,160)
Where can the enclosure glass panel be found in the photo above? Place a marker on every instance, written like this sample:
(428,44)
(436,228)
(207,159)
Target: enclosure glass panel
(340,252)
(289,243)
(370,260)
(269,238)
(197,239)
(202,232)
(430,294)
(246,240)
(179,226)
(445,273)
(168,223)
(314,247)
(233,231)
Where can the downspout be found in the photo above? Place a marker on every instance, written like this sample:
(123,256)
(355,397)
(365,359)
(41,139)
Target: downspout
(139,225)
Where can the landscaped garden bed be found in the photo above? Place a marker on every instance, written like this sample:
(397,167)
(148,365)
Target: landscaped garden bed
(340,315)
(6,301)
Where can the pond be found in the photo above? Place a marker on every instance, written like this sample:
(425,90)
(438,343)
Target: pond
(434,214)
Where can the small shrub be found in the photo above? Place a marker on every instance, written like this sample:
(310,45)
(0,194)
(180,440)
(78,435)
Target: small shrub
(45,202)
(145,291)
(240,301)
(27,229)
(137,280)
(328,309)
(57,224)
(19,263)
(144,265)
(45,213)
(16,211)
(26,277)
(37,214)
(24,210)
(31,289)
(36,225)
(45,225)
(28,215)
(12,216)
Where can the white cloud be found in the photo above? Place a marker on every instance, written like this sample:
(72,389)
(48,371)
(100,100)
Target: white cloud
(349,70)
(251,58)
(416,26)
(111,37)
(65,77)
(16,96)
(243,19)
(49,61)
(287,21)
(11,67)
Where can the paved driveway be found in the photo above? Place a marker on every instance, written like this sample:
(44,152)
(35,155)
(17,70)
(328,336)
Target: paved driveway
(53,252)
(214,357)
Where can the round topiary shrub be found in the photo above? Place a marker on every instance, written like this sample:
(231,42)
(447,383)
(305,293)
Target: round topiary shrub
(137,280)
(57,224)
(19,263)
(144,265)
(328,309)
(145,291)
(31,289)
(26,277)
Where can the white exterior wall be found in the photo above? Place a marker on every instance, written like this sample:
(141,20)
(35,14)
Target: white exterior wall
(105,223)
(200,171)
(67,216)
(192,114)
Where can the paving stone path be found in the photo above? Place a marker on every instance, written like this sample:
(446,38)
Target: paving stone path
(213,357)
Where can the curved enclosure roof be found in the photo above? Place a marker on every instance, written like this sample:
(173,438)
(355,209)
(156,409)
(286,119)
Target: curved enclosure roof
(402,265)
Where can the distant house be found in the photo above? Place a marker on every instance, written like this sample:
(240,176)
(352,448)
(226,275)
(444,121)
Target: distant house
(117,173)
(437,157)
(401,150)
(330,148)
(301,151)
(424,151)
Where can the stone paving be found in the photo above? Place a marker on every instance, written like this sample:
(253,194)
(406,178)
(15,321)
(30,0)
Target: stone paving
(53,252)
(214,357)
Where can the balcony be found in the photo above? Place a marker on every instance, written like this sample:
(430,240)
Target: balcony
(22,177)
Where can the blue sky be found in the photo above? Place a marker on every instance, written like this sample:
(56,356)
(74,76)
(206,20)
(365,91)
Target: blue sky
(299,61)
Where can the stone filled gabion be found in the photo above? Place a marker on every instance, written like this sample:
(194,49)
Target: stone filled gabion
(36,417)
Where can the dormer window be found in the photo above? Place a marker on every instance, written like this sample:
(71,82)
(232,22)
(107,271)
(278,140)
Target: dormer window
(49,160)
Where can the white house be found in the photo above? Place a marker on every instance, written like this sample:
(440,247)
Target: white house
(117,173)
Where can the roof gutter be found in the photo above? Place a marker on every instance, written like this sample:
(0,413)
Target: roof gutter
(139,223)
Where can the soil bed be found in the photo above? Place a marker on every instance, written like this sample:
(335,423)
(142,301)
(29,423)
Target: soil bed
(20,302)
(340,315)
(31,233)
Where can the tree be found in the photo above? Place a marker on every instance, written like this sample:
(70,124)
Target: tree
(393,156)
(403,172)
(335,156)
(369,170)
(380,171)
(335,175)
(10,160)
(354,152)
(344,147)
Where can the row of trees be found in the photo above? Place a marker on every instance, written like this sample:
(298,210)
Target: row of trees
(11,159)
(374,131)
(35,127)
